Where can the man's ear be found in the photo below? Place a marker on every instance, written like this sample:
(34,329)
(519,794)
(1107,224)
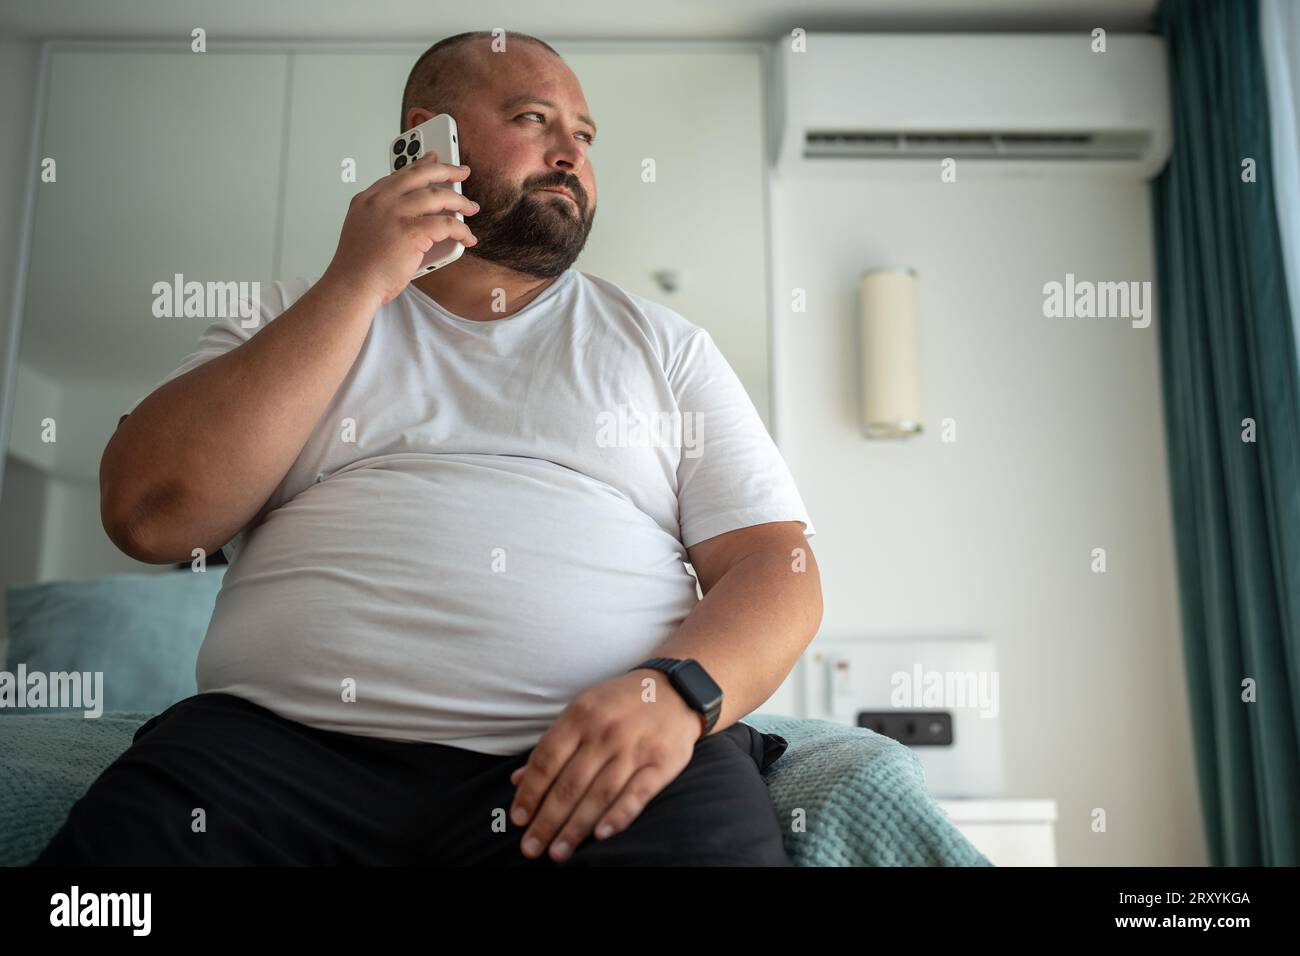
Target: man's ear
(122,419)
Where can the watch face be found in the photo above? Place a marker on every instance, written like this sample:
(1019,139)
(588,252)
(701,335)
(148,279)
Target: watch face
(698,683)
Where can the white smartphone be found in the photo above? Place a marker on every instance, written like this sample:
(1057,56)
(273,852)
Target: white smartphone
(436,134)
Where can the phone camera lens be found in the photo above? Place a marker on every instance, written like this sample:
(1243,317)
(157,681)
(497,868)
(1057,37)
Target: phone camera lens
(399,162)
(399,147)
(413,147)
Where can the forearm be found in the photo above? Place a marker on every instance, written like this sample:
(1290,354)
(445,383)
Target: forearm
(750,629)
(195,460)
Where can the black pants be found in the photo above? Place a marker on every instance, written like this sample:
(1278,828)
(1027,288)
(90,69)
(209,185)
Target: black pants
(276,792)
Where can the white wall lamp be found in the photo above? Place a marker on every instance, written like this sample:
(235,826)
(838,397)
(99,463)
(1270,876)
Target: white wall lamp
(891,375)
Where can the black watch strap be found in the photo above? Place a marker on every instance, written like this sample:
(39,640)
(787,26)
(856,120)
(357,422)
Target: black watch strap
(709,707)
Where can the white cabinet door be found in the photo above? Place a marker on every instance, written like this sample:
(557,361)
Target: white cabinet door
(679,169)
(166,163)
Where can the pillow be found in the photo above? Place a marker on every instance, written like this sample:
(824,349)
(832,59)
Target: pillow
(142,631)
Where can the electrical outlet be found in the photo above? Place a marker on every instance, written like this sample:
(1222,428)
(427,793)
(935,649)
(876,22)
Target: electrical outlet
(916,728)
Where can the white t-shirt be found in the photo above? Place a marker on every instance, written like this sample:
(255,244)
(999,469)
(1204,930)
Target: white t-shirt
(482,524)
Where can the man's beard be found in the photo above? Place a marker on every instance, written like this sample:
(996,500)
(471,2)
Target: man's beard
(535,233)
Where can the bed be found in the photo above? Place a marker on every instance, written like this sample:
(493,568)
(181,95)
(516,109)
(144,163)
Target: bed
(849,796)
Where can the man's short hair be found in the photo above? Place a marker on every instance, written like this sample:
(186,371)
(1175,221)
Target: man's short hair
(438,83)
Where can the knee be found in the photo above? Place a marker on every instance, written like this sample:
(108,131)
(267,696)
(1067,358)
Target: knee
(757,842)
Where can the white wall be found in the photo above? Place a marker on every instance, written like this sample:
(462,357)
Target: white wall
(72,540)
(75,543)
(1060,449)
(35,398)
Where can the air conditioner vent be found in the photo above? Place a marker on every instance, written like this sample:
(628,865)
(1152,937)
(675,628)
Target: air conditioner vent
(1124,146)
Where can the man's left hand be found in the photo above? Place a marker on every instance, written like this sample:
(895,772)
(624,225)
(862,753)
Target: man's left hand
(607,756)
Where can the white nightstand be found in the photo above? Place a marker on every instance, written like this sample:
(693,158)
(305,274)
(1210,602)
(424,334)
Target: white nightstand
(1008,832)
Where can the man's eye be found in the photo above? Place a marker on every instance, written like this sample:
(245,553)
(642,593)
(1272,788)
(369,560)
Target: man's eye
(591,140)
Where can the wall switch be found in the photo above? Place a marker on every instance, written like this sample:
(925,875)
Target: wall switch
(916,728)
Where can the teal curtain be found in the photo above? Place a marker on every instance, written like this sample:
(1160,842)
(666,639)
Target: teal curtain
(1227,353)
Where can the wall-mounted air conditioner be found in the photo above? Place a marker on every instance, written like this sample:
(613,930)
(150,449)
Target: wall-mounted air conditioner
(1000,104)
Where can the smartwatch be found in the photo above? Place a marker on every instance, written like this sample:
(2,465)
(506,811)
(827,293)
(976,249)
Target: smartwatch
(693,683)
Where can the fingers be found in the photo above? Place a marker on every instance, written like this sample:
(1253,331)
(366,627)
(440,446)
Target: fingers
(607,797)
(639,790)
(444,227)
(570,792)
(422,202)
(425,172)
(544,764)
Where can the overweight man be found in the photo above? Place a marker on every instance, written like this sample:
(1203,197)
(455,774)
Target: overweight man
(457,626)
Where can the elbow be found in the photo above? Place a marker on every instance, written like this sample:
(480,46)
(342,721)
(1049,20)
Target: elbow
(127,542)
(128,534)
(135,524)
(134,510)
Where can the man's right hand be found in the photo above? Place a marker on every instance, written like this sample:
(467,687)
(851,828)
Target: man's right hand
(390,226)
